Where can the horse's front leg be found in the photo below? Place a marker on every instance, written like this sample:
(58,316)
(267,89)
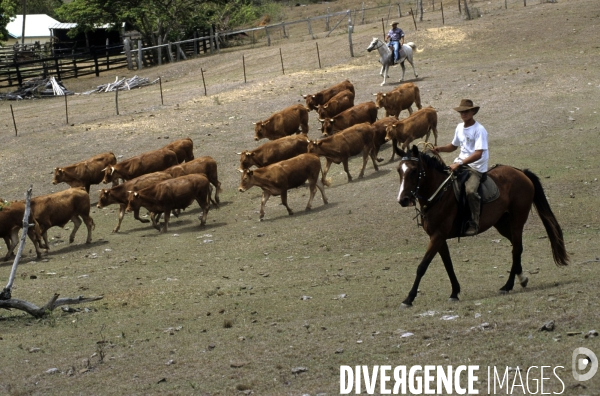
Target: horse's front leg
(384,69)
(435,243)
(381,71)
(445,255)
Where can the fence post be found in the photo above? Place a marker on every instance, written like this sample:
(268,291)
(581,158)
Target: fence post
(13,117)
(195,44)
(459,10)
(363,14)
(350,33)
(281,57)
(442,7)
(117,99)
(421,9)
(127,47)
(97,69)
(244,65)
(413,17)
(57,64)
(159,50)
(318,55)
(327,20)
(140,56)
(203,82)
(217,41)
(169,51)
(268,36)
(467,10)
(19,78)
(310,28)
(107,55)
(75,66)
(283,30)
(399,13)
(212,38)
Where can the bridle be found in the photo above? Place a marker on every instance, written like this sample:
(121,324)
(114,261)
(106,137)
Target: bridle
(380,42)
(415,193)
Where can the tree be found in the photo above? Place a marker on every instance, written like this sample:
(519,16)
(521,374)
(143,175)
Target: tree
(8,10)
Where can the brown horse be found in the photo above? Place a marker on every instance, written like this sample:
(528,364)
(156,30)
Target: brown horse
(424,178)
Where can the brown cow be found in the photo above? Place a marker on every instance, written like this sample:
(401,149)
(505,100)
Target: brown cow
(283,123)
(400,98)
(184,148)
(274,151)
(151,161)
(363,112)
(11,221)
(380,127)
(172,194)
(59,208)
(334,106)
(341,146)
(120,194)
(84,173)
(312,101)
(278,178)
(203,165)
(421,123)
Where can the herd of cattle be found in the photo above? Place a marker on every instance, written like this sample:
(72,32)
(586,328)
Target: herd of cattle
(170,179)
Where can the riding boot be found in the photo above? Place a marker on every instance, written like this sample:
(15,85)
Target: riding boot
(474,200)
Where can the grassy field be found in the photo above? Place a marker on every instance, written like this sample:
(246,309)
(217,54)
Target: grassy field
(238,306)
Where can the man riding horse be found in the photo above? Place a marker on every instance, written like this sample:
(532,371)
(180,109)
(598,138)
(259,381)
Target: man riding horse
(396,37)
(472,139)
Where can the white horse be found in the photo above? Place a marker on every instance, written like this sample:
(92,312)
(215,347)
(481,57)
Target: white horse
(387,57)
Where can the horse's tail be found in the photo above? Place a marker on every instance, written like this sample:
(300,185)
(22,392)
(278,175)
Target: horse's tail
(549,220)
(414,46)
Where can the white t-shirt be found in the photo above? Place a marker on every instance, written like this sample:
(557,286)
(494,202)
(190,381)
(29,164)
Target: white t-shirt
(469,140)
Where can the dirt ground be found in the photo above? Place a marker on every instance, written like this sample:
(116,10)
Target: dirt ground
(240,305)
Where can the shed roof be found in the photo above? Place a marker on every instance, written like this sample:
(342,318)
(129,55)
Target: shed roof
(36,25)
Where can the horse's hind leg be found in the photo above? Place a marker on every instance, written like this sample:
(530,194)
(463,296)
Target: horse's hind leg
(413,66)
(513,231)
(445,255)
(403,71)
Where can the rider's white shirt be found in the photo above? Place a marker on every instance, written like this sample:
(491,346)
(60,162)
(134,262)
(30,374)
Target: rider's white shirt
(469,140)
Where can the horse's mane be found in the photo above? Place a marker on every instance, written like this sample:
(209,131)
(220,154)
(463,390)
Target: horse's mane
(433,161)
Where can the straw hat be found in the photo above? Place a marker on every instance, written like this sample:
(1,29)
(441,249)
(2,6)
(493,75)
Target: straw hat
(393,23)
(467,104)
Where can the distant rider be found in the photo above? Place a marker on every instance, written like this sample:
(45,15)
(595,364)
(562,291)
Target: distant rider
(396,37)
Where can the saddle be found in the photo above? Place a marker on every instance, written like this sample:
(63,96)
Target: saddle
(488,190)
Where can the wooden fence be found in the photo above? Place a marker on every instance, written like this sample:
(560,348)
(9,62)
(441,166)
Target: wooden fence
(63,66)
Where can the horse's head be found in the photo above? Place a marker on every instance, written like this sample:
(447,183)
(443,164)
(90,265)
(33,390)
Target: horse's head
(409,171)
(373,44)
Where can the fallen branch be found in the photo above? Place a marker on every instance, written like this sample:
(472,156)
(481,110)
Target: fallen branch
(40,312)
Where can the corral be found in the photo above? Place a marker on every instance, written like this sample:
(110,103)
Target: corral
(243,305)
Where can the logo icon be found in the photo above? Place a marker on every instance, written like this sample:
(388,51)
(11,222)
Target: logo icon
(582,359)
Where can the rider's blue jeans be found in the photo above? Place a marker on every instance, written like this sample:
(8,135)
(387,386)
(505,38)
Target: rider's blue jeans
(396,46)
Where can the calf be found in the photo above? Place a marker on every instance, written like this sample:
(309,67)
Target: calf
(151,161)
(334,106)
(400,98)
(57,209)
(183,148)
(419,124)
(313,101)
(203,165)
(363,112)
(274,151)
(84,173)
(277,179)
(380,127)
(341,146)
(172,194)
(283,123)
(120,194)
(11,221)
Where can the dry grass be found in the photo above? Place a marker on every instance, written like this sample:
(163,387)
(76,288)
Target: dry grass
(223,304)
